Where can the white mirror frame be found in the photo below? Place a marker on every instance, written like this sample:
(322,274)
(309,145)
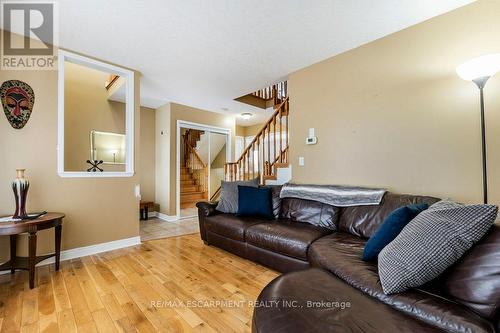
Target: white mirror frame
(64,56)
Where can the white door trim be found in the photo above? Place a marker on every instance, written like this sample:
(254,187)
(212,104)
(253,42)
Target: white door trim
(201,127)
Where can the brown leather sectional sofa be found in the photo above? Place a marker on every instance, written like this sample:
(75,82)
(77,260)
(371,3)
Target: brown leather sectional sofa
(328,288)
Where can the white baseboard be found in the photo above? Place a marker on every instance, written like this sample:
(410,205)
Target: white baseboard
(92,249)
(165,217)
(96,248)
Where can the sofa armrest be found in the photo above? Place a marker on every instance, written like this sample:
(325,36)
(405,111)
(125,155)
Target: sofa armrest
(205,209)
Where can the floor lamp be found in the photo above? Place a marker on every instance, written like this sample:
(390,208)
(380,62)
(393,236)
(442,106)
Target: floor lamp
(479,70)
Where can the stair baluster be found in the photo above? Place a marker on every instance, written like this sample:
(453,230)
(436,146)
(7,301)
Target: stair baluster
(264,154)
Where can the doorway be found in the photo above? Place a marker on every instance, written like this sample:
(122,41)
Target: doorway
(202,151)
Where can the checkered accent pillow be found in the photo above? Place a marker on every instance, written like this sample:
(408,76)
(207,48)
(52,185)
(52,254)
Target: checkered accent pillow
(432,242)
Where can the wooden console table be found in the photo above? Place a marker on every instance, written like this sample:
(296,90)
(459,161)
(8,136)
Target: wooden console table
(13,229)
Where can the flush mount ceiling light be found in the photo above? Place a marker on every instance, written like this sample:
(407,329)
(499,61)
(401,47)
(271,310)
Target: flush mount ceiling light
(246,115)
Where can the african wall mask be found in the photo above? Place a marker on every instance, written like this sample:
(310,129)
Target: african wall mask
(17,101)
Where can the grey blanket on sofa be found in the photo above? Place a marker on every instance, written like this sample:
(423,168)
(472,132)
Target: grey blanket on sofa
(340,196)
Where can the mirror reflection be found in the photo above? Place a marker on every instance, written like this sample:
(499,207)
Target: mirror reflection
(108,147)
(94,120)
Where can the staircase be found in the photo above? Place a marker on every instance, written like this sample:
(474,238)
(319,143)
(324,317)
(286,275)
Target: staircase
(268,152)
(267,97)
(194,172)
(276,93)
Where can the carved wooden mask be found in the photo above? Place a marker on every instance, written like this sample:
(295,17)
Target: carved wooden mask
(18,99)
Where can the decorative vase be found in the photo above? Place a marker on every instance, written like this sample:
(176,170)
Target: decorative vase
(20,187)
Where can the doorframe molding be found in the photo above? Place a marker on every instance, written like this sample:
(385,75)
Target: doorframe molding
(201,127)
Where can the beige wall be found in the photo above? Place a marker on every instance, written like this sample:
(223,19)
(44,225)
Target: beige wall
(147,161)
(87,108)
(162,164)
(393,113)
(249,130)
(217,170)
(186,113)
(97,210)
(240,130)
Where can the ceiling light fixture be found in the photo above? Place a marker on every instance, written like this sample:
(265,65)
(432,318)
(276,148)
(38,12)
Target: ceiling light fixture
(246,115)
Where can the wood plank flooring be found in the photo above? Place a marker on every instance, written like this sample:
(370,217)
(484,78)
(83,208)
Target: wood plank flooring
(175,284)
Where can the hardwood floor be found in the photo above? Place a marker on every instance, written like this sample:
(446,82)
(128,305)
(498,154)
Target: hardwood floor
(168,285)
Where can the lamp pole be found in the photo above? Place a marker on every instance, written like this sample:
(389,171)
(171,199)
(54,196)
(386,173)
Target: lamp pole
(479,70)
(481,82)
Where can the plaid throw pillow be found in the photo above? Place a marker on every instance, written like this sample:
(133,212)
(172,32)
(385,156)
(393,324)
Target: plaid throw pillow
(432,242)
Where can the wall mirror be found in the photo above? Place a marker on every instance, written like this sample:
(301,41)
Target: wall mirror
(95,118)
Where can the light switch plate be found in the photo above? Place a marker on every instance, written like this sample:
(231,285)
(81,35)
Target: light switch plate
(137,191)
(301,161)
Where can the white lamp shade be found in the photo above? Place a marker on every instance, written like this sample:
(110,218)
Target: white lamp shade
(484,66)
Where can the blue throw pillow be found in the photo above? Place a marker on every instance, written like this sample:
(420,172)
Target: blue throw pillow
(392,226)
(254,201)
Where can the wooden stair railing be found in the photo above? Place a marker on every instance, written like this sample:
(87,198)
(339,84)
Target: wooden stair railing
(216,194)
(277,163)
(277,92)
(195,164)
(111,80)
(267,151)
(191,138)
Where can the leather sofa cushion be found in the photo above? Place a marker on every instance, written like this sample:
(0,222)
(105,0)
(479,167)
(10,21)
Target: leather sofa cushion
(475,280)
(291,313)
(341,254)
(312,212)
(230,225)
(285,237)
(363,221)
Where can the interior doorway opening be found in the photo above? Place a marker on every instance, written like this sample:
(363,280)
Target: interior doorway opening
(202,151)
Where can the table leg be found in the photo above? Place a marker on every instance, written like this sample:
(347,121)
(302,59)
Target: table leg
(58,231)
(32,258)
(146,212)
(13,254)
(140,214)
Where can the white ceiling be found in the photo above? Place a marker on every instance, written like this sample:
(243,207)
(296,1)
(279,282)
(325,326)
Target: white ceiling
(205,53)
